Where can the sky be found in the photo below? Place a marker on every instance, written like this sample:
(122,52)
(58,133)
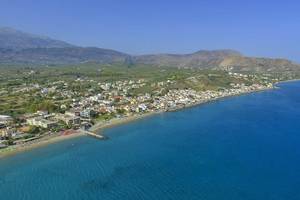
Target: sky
(263,28)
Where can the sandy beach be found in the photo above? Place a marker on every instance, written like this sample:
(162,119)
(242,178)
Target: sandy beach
(118,121)
(44,141)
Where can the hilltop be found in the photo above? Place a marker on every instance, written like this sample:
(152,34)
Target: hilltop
(218,59)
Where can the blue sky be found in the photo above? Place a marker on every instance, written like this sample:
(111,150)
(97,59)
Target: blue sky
(256,27)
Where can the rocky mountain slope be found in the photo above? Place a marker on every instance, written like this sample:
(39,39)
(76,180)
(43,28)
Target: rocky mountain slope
(14,39)
(201,59)
(69,55)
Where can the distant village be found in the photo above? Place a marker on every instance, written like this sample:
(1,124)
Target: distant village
(111,100)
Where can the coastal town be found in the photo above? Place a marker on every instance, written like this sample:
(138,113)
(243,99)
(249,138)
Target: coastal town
(67,111)
(149,100)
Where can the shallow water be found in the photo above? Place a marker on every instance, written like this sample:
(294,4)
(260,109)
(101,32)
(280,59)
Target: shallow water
(245,147)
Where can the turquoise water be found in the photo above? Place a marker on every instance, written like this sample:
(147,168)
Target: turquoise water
(245,147)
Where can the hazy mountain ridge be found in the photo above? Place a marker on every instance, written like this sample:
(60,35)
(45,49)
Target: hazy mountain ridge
(15,39)
(69,55)
(19,47)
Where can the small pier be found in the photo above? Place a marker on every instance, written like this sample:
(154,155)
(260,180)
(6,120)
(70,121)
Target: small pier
(94,135)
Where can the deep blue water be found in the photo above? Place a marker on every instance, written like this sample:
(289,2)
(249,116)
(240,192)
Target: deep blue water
(245,147)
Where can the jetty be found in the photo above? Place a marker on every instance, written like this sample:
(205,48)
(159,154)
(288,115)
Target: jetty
(94,135)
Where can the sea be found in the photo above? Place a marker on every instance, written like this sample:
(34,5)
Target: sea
(238,148)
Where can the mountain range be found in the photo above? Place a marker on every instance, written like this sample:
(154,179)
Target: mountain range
(24,48)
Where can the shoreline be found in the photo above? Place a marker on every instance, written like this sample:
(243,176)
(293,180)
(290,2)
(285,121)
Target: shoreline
(96,128)
(119,121)
(50,139)
(287,81)
(42,142)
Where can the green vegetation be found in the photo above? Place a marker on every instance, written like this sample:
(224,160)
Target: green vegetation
(21,86)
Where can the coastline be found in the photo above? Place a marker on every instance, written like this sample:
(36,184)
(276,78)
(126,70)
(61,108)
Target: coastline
(119,121)
(287,81)
(44,141)
(47,140)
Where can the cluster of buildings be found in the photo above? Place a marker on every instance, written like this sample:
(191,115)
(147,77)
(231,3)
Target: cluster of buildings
(175,99)
(5,120)
(108,100)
